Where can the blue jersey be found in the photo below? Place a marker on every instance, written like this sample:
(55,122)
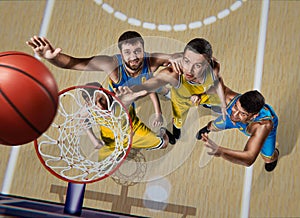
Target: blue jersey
(266,113)
(125,79)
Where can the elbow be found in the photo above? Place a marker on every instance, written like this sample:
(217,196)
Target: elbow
(249,162)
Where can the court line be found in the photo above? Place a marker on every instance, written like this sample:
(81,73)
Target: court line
(167,27)
(245,208)
(13,158)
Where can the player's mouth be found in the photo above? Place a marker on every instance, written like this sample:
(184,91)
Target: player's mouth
(233,119)
(134,62)
(189,76)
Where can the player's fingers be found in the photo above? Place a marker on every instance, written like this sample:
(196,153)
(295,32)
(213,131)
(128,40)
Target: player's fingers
(207,145)
(41,41)
(57,51)
(210,153)
(121,90)
(204,137)
(154,124)
(37,41)
(31,44)
(176,68)
(195,100)
(46,41)
(140,93)
(34,42)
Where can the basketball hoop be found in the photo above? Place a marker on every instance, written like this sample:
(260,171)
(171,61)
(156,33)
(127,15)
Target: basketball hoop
(65,148)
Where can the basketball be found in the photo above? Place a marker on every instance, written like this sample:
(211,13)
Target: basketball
(28,98)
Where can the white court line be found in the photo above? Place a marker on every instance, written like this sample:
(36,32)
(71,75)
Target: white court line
(10,169)
(120,16)
(209,20)
(176,27)
(257,85)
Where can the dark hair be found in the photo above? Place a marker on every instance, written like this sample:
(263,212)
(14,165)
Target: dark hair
(201,46)
(130,37)
(252,101)
(90,90)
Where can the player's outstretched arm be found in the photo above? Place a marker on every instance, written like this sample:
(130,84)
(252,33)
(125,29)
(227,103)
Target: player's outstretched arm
(259,133)
(44,49)
(161,59)
(127,96)
(245,158)
(161,78)
(218,86)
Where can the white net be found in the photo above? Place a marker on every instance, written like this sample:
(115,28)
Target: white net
(66,148)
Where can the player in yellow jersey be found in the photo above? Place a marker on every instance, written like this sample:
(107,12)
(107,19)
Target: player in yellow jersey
(198,76)
(143,137)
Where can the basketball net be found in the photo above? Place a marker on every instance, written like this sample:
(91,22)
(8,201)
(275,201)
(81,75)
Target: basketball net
(65,148)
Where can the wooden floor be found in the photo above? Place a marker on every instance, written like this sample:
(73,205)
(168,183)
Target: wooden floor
(184,181)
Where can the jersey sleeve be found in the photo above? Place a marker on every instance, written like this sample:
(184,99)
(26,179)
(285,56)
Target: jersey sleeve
(221,124)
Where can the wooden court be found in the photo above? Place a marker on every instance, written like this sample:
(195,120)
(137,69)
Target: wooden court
(180,181)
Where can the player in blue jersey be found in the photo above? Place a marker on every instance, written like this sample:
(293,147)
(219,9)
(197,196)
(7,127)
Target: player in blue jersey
(251,115)
(132,66)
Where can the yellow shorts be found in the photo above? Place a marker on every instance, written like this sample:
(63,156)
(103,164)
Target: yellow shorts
(143,137)
(180,107)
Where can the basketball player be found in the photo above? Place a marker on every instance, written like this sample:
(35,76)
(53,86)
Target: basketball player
(198,76)
(248,113)
(132,66)
(143,137)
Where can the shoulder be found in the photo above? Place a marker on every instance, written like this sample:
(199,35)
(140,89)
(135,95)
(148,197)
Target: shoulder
(229,94)
(262,127)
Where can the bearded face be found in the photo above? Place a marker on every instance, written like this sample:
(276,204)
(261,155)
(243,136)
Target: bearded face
(133,55)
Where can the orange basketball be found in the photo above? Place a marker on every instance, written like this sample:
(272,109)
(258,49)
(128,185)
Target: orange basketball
(28,98)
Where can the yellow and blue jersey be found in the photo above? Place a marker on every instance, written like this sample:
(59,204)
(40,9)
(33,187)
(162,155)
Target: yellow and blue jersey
(266,113)
(181,94)
(125,79)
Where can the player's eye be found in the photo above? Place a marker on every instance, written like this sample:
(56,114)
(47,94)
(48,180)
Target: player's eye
(198,66)
(138,51)
(186,61)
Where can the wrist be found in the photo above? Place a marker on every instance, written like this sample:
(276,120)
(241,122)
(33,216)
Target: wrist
(207,129)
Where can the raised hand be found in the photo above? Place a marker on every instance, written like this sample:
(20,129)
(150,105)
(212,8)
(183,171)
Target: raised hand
(199,99)
(210,144)
(175,62)
(127,96)
(43,48)
(158,120)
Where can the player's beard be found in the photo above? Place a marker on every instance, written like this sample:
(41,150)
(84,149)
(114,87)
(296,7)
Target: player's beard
(134,64)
